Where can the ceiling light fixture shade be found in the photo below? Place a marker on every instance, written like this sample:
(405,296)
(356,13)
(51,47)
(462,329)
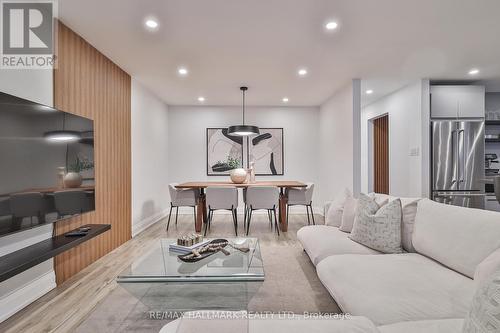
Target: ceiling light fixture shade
(62,136)
(243,130)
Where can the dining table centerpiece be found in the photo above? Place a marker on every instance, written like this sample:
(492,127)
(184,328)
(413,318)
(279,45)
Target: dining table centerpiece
(238,175)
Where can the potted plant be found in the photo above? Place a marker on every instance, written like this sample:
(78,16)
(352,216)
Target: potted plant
(73,178)
(238,175)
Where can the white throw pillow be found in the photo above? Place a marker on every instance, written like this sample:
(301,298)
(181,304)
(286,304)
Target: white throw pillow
(484,314)
(409,206)
(336,210)
(348,214)
(378,229)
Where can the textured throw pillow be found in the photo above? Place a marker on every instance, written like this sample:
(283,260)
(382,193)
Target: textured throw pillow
(336,210)
(380,198)
(381,230)
(348,214)
(484,314)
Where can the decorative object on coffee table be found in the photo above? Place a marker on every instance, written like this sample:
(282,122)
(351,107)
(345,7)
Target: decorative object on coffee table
(203,252)
(189,240)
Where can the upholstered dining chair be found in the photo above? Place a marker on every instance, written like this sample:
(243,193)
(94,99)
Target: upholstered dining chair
(222,198)
(181,198)
(301,197)
(70,202)
(28,204)
(261,198)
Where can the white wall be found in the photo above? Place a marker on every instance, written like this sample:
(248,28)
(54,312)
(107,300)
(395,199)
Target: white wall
(338,139)
(150,198)
(19,291)
(187,139)
(407,141)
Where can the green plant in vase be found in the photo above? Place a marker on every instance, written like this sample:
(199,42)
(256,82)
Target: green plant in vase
(74,178)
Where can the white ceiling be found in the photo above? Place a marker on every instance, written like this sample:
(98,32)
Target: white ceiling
(262,43)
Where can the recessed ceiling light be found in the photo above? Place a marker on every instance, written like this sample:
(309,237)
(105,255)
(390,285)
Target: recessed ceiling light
(285,99)
(332,25)
(151,24)
(201,99)
(182,71)
(302,72)
(369,92)
(474,71)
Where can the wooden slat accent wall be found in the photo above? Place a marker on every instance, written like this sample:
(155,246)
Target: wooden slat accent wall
(381,154)
(87,83)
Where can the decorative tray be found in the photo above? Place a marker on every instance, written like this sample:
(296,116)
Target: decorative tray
(205,251)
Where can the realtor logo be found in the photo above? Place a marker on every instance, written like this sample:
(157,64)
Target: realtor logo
(27,34)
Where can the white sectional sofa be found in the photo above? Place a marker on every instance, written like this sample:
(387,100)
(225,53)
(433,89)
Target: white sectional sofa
(219,322)
(451,245)
(429,288)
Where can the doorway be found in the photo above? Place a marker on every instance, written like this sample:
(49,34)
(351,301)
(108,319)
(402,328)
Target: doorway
(381,155)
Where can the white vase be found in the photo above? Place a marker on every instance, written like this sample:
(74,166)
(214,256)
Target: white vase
(238,176)
(72,179)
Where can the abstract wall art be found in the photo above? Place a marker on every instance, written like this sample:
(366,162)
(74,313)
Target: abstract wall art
(266,151)
(224,152)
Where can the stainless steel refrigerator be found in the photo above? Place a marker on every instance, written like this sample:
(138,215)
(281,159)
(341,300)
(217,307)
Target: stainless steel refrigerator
(458,162)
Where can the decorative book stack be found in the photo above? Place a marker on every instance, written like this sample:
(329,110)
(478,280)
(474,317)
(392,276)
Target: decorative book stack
(187,243)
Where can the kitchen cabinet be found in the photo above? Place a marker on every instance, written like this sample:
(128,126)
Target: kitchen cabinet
(491,203)
(457,101)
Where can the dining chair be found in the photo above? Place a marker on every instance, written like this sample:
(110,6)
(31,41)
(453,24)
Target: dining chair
(261,198)
(301,196)
(181,198)
(222,198)
(70,202)
(28,204)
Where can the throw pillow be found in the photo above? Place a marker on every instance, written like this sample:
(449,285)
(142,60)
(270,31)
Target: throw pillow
(409,206)
(348,214)
(484,314)
(336,210)
(380,231)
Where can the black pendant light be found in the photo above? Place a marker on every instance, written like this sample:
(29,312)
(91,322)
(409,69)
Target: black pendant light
(62,135)
(243,130)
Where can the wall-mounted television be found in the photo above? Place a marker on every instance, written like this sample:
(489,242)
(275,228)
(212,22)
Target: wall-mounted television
(46,165)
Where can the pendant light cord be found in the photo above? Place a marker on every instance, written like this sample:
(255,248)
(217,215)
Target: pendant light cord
(243,107)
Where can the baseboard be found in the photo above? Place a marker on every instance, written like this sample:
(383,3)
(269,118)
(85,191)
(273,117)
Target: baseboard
(22,297)
(142,225)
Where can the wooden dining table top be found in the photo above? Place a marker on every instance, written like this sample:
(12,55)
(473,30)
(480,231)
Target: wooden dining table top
(274,183)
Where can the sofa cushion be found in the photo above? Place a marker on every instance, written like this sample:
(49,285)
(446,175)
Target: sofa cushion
(427,326)
(379,230)
(457,237)
(391,288)
(321,241)
(222,322)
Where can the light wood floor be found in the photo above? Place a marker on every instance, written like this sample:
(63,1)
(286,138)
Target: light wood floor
(291,283)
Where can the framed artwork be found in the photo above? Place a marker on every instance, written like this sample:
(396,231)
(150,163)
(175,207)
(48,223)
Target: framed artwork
(266,151)
(223,152)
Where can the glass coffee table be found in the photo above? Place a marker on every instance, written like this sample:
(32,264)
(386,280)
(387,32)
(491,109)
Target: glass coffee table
(162,282)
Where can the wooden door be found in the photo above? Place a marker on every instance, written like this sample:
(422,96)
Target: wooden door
(381,155)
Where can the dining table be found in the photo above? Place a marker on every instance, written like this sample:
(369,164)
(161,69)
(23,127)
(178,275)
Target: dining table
(201,212)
